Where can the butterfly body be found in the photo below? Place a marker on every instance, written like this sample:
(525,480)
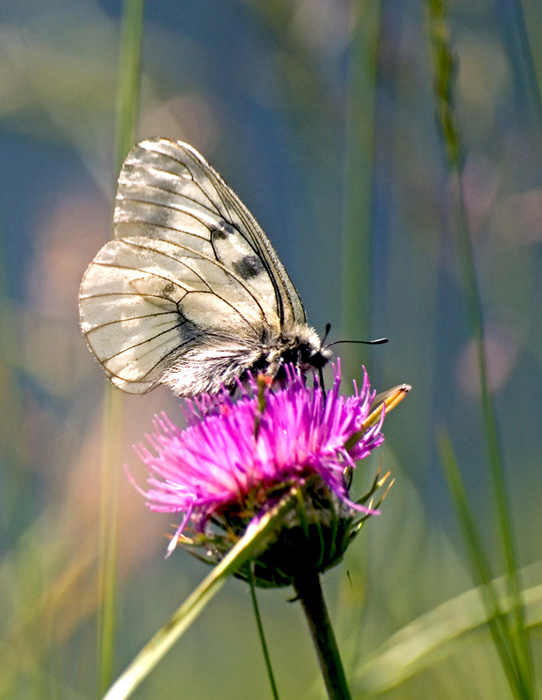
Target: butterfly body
(190,293)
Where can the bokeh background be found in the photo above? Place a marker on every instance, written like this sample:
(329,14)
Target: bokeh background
(263,88)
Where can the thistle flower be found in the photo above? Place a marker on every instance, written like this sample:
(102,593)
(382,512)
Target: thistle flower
(237,458)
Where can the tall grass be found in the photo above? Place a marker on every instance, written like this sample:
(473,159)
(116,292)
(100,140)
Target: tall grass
(129,77)
(418,615)
(511,639)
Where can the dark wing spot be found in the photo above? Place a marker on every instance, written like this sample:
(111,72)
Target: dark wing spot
(223,232)
(248,267)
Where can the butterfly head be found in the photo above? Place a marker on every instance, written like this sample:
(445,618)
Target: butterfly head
(298,345)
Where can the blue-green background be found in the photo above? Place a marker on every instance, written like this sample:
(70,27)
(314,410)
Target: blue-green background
(263,89)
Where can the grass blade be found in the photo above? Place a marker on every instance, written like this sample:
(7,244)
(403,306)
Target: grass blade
(445,69)
(166,637)
(437,634)
(479,562)
(261,635)
(127,111)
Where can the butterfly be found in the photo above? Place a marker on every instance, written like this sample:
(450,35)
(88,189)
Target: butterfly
(190,293)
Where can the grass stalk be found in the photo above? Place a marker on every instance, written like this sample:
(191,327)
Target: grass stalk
(127,111)
(496,620)
(261,635)
(445,67)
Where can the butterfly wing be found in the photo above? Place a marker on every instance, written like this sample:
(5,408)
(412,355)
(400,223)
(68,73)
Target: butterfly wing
(167,189)
(190,288)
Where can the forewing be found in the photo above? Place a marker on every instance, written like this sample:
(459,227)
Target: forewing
(168,191)
(149,305)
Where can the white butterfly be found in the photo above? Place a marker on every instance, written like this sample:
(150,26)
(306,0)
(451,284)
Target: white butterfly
(190,293)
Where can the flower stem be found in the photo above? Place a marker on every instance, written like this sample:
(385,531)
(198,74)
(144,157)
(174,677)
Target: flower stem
(261,635)
(309,592)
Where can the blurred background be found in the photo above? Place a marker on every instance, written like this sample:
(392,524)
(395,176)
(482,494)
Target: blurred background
(263,88)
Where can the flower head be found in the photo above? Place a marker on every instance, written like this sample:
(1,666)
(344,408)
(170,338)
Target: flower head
(237,458)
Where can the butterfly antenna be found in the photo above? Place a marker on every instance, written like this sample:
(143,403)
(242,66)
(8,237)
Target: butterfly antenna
(328,328)
(377,341)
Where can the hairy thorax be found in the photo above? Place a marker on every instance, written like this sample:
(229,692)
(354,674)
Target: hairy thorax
(298,345)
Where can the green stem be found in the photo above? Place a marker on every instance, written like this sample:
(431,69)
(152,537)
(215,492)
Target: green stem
(496,619)
(309,592)
(129,77)
(127,110)
(445,67)
(496,461)
(109,508)
(261,635)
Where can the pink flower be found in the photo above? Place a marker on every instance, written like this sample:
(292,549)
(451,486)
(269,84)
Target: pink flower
(235,461)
